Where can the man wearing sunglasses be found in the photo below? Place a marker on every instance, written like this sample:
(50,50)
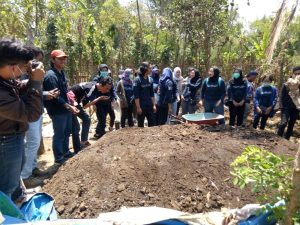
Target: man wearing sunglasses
(289,111)
(18,106)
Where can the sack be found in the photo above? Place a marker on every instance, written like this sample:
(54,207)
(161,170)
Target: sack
(40,207)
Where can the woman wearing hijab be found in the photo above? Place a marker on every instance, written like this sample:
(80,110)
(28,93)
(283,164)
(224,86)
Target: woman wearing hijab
(178,79)
(125,95)
(213,93)
(264,102)
(237,93)
(167,95)
(191,92)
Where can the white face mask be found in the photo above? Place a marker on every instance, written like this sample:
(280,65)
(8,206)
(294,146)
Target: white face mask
(13,74)
(131,77)
(267,84)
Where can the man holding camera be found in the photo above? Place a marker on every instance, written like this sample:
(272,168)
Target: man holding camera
(19,104)
(59,109)
(30,171)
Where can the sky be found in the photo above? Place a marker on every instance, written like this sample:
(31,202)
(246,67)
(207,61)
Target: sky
(257,9)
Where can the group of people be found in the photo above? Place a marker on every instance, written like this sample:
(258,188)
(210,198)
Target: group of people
(150,93)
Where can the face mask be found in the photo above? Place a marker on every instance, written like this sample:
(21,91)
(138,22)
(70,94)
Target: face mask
(236,75)
(131,77)
(267,84)
(155,74)
(14,75)
(104,73)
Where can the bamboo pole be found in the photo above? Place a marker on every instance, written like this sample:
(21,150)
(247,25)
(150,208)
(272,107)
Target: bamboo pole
(294,202)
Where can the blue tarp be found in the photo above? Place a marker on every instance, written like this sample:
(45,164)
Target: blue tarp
(170,222)
(265,218)
(40,207)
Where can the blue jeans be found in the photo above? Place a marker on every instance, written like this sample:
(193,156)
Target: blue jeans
(210,106)
(86,122)
(62,127)
(11,156)
(32,143)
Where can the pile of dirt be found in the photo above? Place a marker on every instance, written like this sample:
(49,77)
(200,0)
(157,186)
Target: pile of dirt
(180,167)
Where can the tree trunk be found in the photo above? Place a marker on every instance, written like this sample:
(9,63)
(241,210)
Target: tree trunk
(294,202)
(183,52)
(207,53)
(140,33)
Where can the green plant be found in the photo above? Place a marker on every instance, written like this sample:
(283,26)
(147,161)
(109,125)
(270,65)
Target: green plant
(264,171)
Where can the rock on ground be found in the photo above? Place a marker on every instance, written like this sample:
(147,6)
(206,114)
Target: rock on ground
(180,167)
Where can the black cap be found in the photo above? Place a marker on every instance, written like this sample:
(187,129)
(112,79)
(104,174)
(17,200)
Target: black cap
(296,68)
(252,73)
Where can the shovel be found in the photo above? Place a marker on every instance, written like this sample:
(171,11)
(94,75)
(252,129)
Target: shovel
(176,118)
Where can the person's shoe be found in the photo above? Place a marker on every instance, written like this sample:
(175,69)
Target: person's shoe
(32,182)
(54,168)
(60,161)
(96,137)
(39,173)
(85,144)
(68,155)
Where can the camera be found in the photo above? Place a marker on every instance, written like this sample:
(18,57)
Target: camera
(34,64)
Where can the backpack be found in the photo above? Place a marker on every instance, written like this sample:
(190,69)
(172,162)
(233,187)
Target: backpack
(219,81)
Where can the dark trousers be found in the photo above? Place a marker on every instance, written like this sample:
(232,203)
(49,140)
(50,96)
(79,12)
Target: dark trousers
(236,113)
(62,127)
(149,114)
(155,115)
(263,122)
(86,122)
(162,112)
(112,116)
(288,117)
(178,107)
(127,113)
(101,112)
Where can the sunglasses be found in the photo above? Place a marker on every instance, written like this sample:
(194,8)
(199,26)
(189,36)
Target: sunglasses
(61,59)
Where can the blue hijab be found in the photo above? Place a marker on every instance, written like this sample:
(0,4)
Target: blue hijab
(155,75)
(166,74)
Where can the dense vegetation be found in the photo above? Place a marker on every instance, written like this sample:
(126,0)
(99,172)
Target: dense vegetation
(175,32)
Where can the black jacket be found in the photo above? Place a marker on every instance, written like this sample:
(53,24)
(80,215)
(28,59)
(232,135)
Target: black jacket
(16,111)
(285,100)
(54,79)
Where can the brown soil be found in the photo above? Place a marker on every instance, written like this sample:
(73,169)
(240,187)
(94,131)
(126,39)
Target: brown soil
(180,167)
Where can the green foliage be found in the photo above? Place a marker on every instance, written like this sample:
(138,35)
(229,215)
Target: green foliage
(174,33)
(264,172)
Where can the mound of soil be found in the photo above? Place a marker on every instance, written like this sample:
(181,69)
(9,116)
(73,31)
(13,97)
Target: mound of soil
(181,167)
